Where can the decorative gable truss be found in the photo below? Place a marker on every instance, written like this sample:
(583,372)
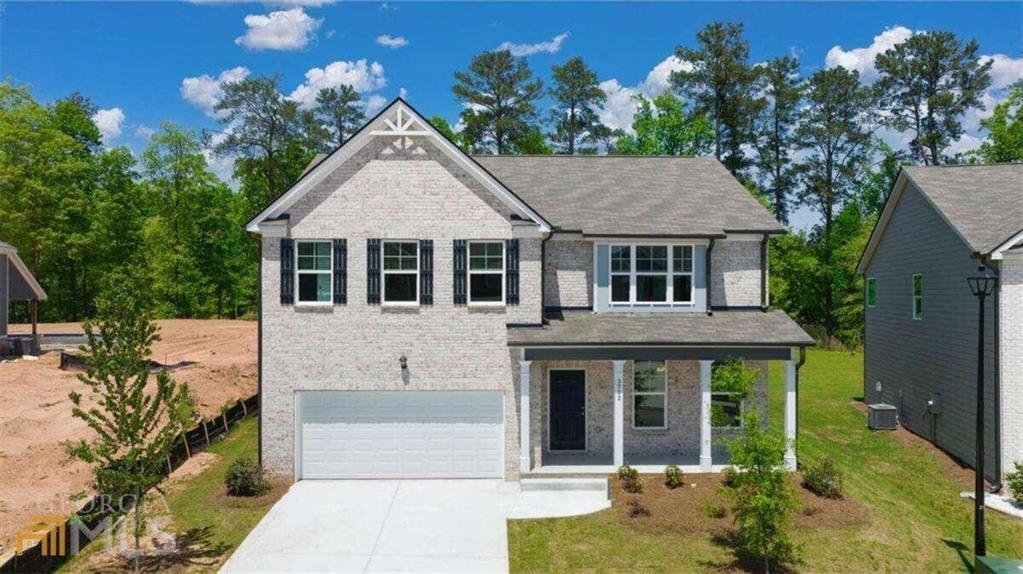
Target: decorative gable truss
(403,125)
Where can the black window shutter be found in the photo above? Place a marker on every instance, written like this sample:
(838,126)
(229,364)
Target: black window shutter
(340,271)
(459,266)
(426,272)
(373,271)
(511,271)
(287,271)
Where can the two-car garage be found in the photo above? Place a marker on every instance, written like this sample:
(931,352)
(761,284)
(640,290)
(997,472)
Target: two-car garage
(399,434)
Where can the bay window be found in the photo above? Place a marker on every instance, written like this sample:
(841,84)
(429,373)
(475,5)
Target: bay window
(652,274)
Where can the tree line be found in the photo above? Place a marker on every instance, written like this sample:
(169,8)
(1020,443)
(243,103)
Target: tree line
(80,212)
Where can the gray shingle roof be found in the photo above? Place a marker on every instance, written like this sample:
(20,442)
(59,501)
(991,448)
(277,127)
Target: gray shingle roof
(722,328)
(623,195)
(983,202)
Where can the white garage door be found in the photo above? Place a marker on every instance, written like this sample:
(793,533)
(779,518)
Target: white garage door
(403,434)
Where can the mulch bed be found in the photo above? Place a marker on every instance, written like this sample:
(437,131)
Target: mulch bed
(700,506)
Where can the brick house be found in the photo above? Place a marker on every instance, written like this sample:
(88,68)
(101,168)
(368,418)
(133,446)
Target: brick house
(939,224)
(426,313)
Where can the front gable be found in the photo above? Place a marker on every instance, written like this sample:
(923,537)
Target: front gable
(396,145)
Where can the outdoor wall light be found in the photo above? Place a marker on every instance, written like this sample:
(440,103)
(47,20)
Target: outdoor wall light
(403,360)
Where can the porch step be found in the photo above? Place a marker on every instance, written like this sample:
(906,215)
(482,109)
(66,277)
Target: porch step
(564,484)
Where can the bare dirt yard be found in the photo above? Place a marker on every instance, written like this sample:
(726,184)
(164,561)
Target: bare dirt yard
(35,413)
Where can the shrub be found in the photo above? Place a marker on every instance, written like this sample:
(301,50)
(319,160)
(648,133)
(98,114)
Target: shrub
(714,509)
(626,472)
(823,479)
(632,485)
(673,476)
(730,477)
(1015,482)
(637,509)
(246,478)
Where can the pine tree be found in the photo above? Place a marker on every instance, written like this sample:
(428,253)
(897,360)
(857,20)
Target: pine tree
(500,95)
(577,97)
(341,109)
(774,131)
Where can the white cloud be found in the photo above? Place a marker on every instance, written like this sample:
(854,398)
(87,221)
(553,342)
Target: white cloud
(361,75)
(280,30)
(1005,70)
(620,105)
(862,59)
(373,104)
(551,46)
(285,3)
(144,132)
(393,42)
(109,123)
(403,93)
(205,91)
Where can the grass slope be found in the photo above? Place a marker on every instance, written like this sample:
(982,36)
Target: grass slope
(916,520)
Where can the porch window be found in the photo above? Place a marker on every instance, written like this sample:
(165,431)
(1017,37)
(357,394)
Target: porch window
(918,296)
(401,272)
(725,410)
(652,274)
(486,272)
(649,397)
(314,271)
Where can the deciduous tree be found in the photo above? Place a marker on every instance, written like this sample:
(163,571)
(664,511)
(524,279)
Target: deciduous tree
(1004,128)
(664,127)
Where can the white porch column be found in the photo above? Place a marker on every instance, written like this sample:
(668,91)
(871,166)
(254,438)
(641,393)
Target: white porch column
(790,414)
(705,429)
(618,388)
(524,426)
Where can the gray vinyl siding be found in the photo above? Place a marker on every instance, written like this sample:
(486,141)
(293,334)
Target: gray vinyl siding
(3,295)
(933,358)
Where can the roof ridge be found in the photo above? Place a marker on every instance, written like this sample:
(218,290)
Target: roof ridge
(954,165)
(566,156)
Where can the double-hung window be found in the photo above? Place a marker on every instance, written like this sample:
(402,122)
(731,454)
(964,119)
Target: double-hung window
(918,296)
(725,410)
(401,272)
(486,272)
(652,274)
(314,272)
(649,395)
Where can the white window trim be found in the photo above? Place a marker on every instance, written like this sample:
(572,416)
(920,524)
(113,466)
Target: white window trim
(871,281)
(385,272)
(330,273)
(742,409)
(634,394)
(470,273)
(912,301)
(633,274)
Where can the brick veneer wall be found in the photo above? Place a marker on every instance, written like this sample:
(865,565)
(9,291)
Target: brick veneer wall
(568,274)
(735,273)
(1011,357)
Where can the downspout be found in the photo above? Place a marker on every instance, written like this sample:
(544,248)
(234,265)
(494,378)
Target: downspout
(707,269)
(543,276)
(997,372)
(763,273)
(802,360)
(259,357)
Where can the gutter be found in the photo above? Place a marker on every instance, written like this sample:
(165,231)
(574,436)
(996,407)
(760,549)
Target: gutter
(763,273)
(543,275)
(707,270)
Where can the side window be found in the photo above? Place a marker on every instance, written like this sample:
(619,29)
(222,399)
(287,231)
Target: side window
(918,296)
(682,273)
(314,272)
(401,272)
(871,292)
(621,270)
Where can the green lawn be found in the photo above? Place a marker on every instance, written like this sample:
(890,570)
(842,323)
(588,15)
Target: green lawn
(916,521)
(209,524)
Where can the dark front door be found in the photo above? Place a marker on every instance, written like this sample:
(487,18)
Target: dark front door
(568,410)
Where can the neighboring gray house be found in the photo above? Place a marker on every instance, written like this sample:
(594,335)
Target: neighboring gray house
(938,226)
(421,307)
(16,284)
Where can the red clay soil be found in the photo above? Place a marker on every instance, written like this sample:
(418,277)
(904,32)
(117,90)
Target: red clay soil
(35,412)
(699,506)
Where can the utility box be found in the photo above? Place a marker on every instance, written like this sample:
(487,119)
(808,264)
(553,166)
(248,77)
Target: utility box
(996,565)
(882,416)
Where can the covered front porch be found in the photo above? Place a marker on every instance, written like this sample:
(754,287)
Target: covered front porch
(591,406)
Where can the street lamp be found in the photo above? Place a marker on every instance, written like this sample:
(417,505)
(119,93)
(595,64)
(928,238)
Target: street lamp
(982,285)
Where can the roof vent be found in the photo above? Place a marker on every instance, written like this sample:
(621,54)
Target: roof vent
(882,416)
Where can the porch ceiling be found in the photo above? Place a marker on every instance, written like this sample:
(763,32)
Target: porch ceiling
(584,328)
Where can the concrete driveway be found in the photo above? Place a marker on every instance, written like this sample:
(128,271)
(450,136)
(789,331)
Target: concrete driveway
(382,526)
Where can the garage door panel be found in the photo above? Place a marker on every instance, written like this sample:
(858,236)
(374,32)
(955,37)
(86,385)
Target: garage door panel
(415,434)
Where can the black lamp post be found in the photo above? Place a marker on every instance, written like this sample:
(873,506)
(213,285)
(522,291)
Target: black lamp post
(982,285)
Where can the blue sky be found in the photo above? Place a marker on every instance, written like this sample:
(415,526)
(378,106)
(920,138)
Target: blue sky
(147,62)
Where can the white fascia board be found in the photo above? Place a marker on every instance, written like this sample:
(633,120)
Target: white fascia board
(1013,241)
(356,143)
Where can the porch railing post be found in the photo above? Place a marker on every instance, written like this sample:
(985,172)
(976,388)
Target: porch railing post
(619,412)
(790,414)
(706,458)
(524,427)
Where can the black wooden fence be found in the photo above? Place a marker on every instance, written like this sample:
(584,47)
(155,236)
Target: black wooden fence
(191,442)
